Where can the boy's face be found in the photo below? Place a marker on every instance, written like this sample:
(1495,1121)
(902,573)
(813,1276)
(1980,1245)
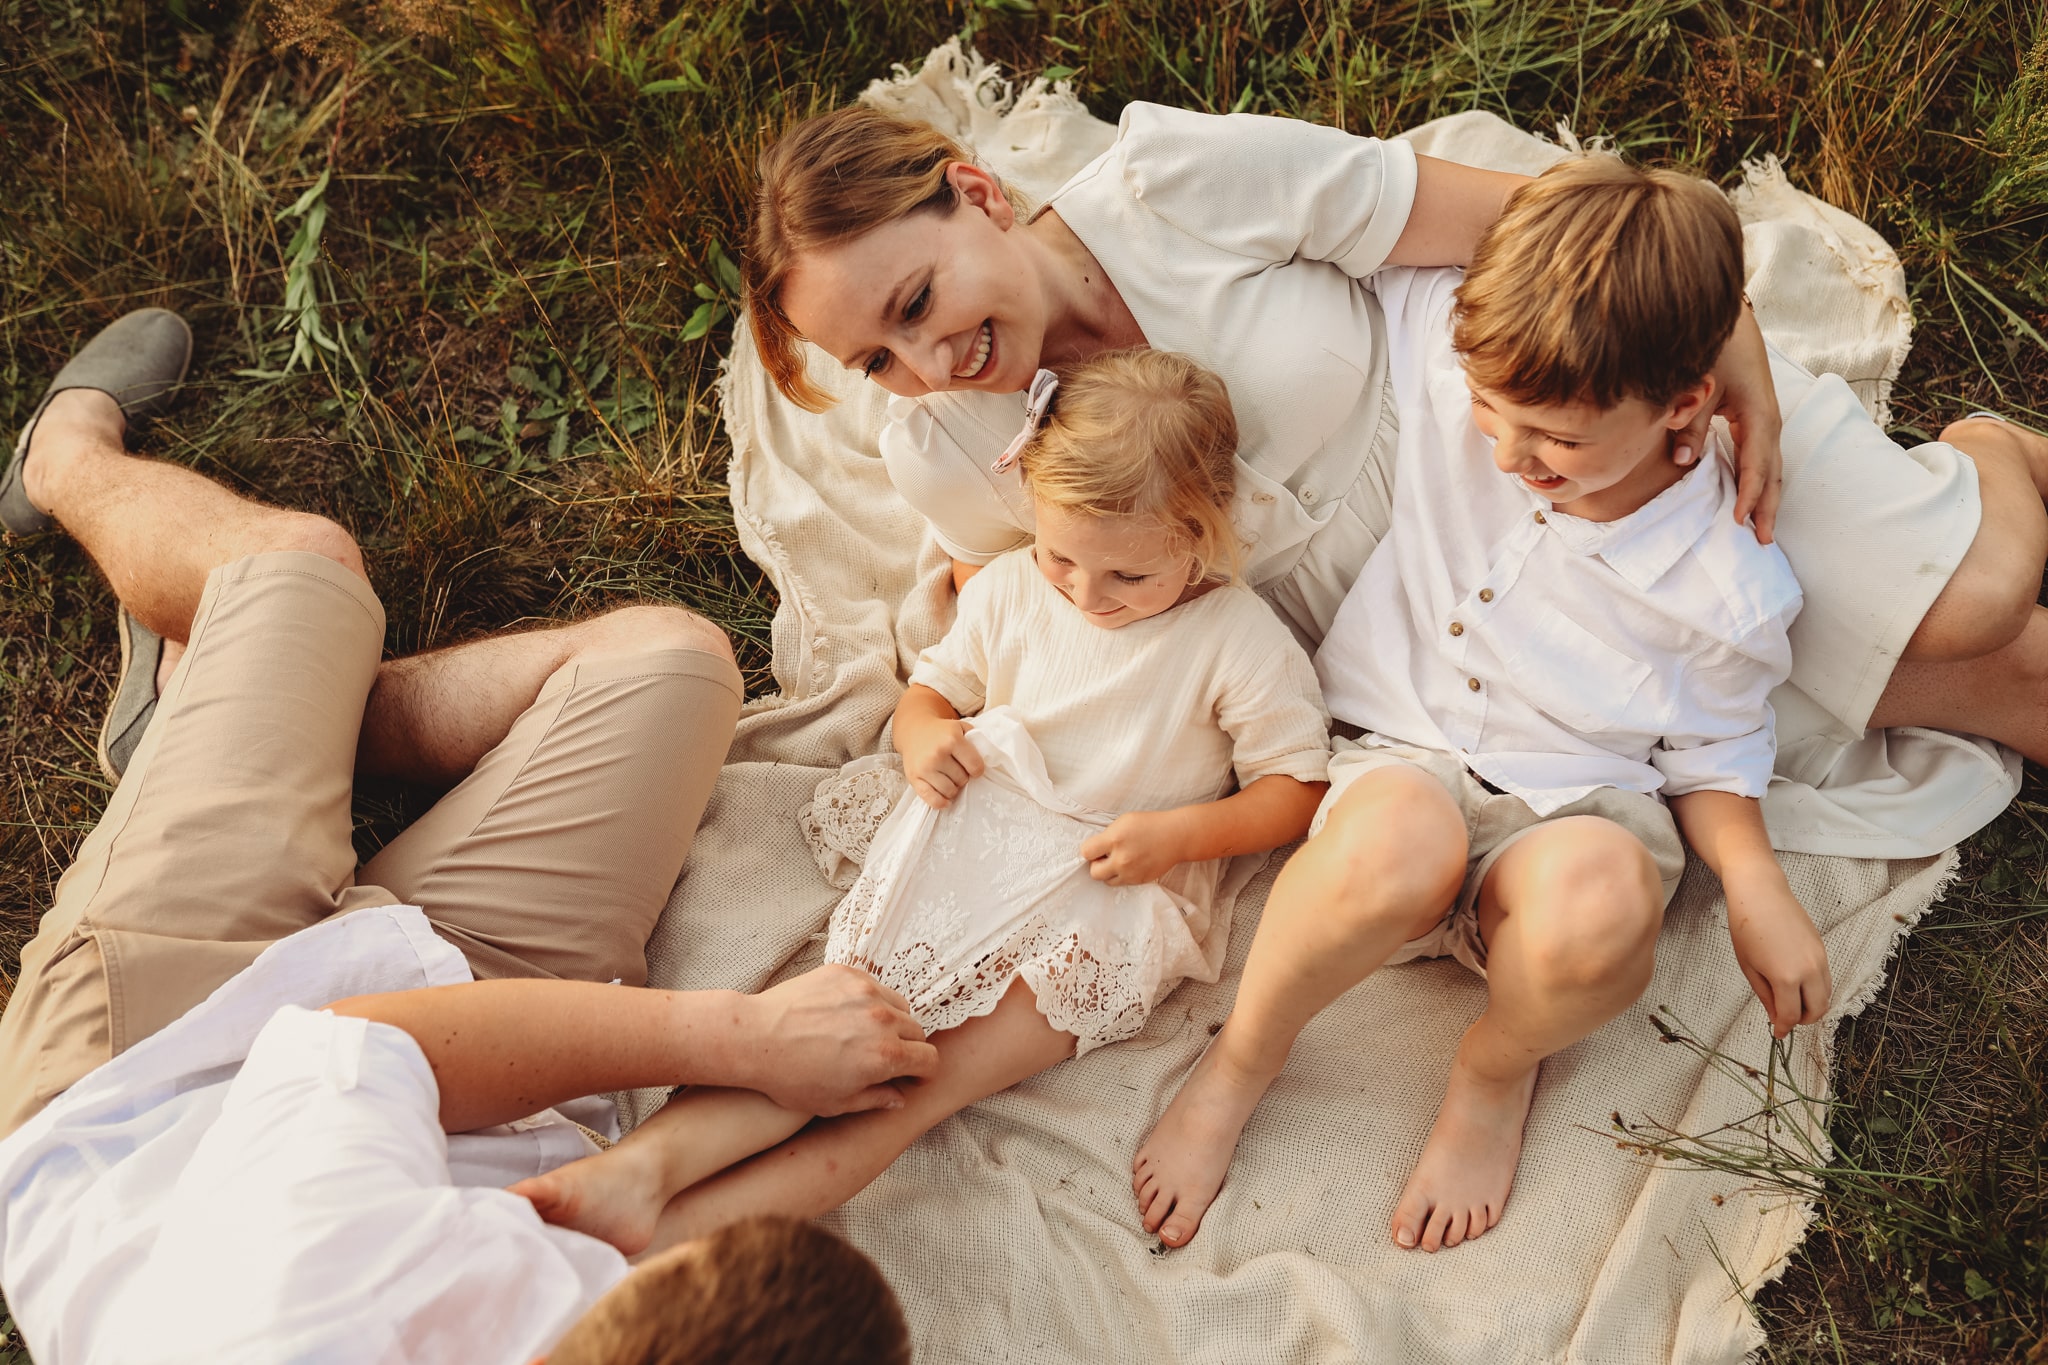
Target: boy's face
(1600,464)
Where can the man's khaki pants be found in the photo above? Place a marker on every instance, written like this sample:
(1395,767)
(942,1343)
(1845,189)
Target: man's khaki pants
(231,828)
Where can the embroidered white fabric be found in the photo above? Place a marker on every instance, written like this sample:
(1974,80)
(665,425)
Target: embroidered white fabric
(847,810)
(955,904)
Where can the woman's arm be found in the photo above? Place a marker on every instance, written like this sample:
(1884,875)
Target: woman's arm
(825,1042)
(1454,206)
(1145,845)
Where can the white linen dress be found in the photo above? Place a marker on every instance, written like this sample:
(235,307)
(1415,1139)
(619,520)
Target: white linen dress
(1249,244)
(1077,725)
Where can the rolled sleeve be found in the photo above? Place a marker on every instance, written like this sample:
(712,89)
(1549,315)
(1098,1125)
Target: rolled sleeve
(1741,765)
(975,515)
(1334,196)
(957,666)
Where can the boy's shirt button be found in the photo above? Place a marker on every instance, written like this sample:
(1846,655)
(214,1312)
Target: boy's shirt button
(1539,519)
(1309,497)
(1486,594)
(1472,683)
(1457,627)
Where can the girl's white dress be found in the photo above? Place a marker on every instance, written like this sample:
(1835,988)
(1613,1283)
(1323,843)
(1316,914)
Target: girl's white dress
(1077,725)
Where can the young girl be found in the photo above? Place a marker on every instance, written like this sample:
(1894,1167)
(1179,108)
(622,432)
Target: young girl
(1057,865)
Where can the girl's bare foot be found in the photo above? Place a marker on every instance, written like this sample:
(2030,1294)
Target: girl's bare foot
(614,1196)
(1180,1168)
(1460,1186)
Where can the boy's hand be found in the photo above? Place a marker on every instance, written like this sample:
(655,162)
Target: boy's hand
(1139,847)
(830,1041)
(938,758)
(1779,950)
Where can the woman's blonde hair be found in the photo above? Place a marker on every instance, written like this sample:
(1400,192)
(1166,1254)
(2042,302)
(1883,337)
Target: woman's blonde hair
(1149,434)
(827,180)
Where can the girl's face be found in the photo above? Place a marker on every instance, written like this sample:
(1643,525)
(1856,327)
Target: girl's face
(1115,570)
(930,302)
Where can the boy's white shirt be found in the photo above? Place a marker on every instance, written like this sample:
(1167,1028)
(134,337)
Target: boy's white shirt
(1552,654)
(263,1181)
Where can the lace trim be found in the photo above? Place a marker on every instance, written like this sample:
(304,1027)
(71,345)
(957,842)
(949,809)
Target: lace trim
(847,808)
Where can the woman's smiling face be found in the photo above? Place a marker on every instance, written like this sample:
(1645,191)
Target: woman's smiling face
(930,302)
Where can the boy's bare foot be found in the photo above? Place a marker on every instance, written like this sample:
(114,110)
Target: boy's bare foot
(1461,1184)
(1180,1168)
(614,1196)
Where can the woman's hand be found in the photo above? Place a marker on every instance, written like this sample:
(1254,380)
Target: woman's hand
(1749,400)
(1139,847)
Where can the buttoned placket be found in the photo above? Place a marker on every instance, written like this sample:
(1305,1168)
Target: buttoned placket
(1467,695)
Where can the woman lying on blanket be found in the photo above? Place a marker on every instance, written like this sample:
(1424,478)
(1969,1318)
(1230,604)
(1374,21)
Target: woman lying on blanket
(1056,868)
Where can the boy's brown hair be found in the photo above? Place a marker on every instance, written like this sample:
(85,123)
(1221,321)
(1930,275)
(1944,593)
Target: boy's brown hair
(768,1291)
(1601,281)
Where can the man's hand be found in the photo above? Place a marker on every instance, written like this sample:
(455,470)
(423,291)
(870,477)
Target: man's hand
(938,758)
(1140,847)
(1779,950)
(830,1041)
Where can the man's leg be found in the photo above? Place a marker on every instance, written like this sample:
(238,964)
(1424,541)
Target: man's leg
(1384,868)
(230,828)
(1570,914)
(588,754)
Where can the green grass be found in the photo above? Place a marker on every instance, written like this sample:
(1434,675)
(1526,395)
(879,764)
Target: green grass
(461,279)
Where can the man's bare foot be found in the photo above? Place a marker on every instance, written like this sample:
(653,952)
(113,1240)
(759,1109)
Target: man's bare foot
(1461,1184)
(614,1196)
(1180,1168)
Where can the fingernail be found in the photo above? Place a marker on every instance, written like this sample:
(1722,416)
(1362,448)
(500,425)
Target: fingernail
(1682,455)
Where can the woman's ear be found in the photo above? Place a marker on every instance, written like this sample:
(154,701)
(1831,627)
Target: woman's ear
(983,191)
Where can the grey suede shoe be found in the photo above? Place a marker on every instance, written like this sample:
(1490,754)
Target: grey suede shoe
(138,360)
(142,649)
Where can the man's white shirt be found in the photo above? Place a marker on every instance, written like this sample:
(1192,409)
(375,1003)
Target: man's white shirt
(1552,654)
(266,1182)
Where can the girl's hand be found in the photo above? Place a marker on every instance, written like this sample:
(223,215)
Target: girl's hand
(939,759)
(1780,952)
(1139,847)
(1749,400)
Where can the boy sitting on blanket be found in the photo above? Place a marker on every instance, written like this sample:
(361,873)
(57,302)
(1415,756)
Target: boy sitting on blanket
(1562,625)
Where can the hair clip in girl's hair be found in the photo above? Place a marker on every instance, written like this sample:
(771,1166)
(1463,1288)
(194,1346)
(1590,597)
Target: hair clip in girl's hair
(1037,406)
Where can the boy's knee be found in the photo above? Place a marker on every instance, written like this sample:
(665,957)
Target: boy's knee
(1396,845)
(1607,900)
(646,627)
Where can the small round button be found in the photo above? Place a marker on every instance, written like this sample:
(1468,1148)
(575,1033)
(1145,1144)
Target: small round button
(1457,627)
(1486,594)
(1472,683)
(1539,519)
(1309,497)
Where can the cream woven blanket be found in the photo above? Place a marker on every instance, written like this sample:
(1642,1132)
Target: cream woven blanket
(1010,1232)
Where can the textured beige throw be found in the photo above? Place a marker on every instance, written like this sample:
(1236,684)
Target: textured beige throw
(1010,1232)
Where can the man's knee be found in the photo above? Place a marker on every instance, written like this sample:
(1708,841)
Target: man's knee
(646,627)
(316,535)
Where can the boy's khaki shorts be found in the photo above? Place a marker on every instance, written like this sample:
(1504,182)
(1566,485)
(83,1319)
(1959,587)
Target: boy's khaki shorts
(1493,822)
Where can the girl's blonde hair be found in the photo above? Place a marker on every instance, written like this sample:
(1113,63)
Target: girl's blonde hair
(829,179)
(1149,434)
